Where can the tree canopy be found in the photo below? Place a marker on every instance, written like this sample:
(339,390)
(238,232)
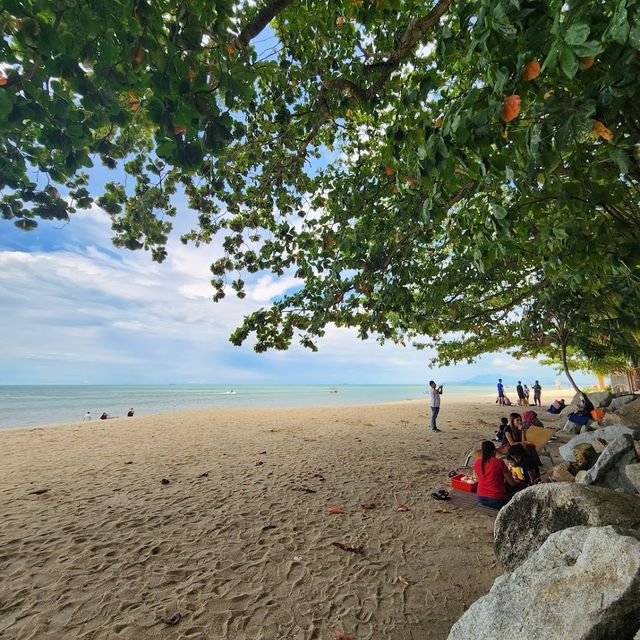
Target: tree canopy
(426,169)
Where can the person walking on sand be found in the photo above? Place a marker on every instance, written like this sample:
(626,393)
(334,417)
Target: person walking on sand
(500,391)
(436,392)
(537,394)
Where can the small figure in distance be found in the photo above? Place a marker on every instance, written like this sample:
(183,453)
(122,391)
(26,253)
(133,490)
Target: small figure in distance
(557,406)
(500,386)
(87,417)
(104,416)
(527,393)
(130,413)
(537,393)
(520,392)
(436,392)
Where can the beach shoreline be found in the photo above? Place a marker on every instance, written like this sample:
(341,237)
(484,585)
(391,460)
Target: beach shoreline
(112,526)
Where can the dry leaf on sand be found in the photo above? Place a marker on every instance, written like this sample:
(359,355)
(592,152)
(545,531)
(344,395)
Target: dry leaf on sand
(403,507)
(346,546)
(368,505)
(337,510)
(341,634)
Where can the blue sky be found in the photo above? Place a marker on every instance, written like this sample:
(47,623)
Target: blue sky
(76,310)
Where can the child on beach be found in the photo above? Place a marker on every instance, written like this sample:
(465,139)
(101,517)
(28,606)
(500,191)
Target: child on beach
(504,423)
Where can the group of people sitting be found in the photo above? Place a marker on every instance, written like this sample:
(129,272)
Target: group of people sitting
(498,481)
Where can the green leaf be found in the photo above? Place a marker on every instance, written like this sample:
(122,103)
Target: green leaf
(499,212)
(577,34)
(568,62)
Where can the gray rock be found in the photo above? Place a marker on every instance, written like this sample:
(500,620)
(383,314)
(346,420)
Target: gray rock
(583,583)
(609,469)
(599,398)
(621,401)
(571,427)
(606,433)
(632,471)
(561,473)
(534,514)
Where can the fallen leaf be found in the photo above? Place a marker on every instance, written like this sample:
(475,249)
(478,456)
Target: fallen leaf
(303,489)
(403,507)
(338,510)
(38,492)
(269,526)
(204,475)
(346,546)
(174,619)
(404,581)
(341,634)
(443,511)
(457,584)
(261,453)
(368,505)
(259,463)
(129,462)
(164,481)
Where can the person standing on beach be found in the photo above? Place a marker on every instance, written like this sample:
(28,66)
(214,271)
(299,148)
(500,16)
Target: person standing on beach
(500,391)
(87,417)
(537,394)
(436,392)
(520,392)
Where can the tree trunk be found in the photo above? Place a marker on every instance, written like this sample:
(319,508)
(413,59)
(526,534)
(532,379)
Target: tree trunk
(566,369)
(600,381)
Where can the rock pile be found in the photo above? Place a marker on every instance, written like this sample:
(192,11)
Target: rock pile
(571,548)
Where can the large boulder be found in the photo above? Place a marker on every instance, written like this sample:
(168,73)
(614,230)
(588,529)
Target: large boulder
(632,471)
(534,514)
(599,398)
(585,456)
(609,469)
(609,434)
(582,583)
(621,401)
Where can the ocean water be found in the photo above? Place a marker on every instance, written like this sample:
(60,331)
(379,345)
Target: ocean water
(22,406)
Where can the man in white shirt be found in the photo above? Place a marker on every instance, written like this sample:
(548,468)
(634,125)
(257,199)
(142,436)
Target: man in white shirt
(436,392)
(87,417)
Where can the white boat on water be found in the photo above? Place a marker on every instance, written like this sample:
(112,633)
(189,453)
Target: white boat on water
(333,390)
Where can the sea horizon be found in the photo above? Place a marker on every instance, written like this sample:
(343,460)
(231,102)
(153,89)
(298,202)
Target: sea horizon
(45,405)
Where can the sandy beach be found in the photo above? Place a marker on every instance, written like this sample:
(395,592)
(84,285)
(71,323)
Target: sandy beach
(112,528)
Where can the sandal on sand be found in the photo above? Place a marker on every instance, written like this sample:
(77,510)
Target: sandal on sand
(453,472)
(441,495)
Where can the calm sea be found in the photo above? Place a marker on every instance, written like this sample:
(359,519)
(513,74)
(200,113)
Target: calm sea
(22,406)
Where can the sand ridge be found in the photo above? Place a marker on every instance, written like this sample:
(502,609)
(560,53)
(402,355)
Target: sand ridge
(239,541)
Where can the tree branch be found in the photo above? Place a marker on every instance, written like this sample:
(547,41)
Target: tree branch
(259,22)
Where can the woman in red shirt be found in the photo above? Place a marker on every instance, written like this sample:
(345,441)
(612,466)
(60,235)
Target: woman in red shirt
(493,477)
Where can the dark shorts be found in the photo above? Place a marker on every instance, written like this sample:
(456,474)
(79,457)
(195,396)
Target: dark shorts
(494,503)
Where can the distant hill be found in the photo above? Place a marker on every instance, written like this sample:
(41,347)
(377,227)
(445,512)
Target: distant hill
(511,380)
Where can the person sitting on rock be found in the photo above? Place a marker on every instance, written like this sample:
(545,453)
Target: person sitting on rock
(493,478)
(530,419)
(522,458)
(582,415)
(557,406)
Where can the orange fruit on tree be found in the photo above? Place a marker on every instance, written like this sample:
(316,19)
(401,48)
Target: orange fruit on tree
(341,20)
(511,107)
(389,171)
(438,123)
(586,63)
(599,130)
(178,129)
(138,56)
(3,80)
(531,70)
